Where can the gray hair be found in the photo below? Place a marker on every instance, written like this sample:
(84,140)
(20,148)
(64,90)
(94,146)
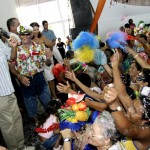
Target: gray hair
(105,119)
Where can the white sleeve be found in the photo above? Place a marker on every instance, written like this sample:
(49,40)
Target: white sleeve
(57,54)
(5,49)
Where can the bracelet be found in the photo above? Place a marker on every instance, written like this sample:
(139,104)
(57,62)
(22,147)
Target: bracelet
(67,139)
(136,56)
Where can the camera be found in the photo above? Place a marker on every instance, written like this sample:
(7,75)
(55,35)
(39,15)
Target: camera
(145,91)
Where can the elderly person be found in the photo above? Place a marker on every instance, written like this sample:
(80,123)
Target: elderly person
(30,63)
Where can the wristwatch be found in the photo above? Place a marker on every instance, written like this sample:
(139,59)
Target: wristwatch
(119,108)
(67,139)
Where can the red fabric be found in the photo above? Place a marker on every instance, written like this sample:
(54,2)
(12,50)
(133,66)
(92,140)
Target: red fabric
(51,128)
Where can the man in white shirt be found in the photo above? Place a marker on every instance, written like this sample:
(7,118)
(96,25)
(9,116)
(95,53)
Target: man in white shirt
(10,117)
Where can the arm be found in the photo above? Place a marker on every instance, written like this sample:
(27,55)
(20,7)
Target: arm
(96,105)
(66,134)
(138,58)
(24,80)
(119,85)
(94,95)
(47,42)
(108,69)
(125,127)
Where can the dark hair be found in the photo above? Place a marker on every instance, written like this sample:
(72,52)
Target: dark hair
(130,20)
(51,109)
(139,68)
(43,22)
(35,24)
(84,79)
(146,73)
(143,36)
(127,25)
(69,54)
(10,22)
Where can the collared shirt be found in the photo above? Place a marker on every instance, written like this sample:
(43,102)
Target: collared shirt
(31,60)
(49,34)
(6,87)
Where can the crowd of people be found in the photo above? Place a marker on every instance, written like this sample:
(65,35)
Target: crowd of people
(37,67)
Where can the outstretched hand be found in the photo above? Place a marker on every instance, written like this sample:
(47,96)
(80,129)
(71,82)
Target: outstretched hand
(115,59)
(63,88)
(70,75)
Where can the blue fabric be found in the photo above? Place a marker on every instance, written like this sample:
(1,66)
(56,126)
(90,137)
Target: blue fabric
(100,57)
(49,34)
(51,141)
(38,88)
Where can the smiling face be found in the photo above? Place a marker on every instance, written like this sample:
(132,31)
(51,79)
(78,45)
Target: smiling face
(36,31)
(96,137)
(26,38)
(133,71)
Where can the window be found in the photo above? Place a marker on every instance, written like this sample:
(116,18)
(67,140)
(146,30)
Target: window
(56,12)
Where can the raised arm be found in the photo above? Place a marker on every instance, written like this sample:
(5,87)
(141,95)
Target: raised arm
(138,58)
(119,85)
(71,76)
(122,123)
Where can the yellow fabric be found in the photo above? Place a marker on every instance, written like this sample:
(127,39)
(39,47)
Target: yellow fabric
(128,144)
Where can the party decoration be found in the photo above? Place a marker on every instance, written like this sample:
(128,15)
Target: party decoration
(57,69)
(98,12)
(84,46)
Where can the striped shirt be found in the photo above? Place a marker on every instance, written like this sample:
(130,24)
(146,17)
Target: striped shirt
(6,87)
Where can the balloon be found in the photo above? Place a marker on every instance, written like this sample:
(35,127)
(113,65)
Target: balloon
(99,9)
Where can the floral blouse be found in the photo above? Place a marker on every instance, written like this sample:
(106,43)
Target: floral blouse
(30,60)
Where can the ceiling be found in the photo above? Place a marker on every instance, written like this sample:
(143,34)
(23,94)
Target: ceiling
(135,2)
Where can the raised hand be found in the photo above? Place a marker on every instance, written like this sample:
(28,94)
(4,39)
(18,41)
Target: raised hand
(13,41)
(63,88)
(66,133)
(110,95)
(70,75)
(115,59)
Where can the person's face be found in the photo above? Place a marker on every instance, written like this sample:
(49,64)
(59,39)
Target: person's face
(140,80)
(131,21)
(25,39)
(16,24)
(59,40)
(96,137)
(36,31)
(46,26)
(128,30)
(133,72)
(135,112)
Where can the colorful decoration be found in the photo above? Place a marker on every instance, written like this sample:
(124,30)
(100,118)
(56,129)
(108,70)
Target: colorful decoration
(98,12)
(57,69)
(84,46)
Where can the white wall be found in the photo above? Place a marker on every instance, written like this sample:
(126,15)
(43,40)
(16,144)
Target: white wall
(110,19)
(7,10)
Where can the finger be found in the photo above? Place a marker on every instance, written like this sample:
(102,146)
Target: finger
(60,84)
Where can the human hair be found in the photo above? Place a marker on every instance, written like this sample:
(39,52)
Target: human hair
(43,22)
(127,25)
(139,68)
(51,109)
(129,21)
(69,54)
(84,79)
(109,129)
(143,36)
(35,24)
(146,74)
(10,22)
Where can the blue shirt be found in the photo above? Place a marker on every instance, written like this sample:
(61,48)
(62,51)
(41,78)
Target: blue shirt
(49,34)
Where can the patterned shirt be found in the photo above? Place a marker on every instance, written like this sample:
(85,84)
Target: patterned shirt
(31,60)
(6,87)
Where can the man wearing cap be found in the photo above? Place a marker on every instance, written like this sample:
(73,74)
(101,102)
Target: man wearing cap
(30,63)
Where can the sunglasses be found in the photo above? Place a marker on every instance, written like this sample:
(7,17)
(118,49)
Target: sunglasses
(140,78)
(25,34)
